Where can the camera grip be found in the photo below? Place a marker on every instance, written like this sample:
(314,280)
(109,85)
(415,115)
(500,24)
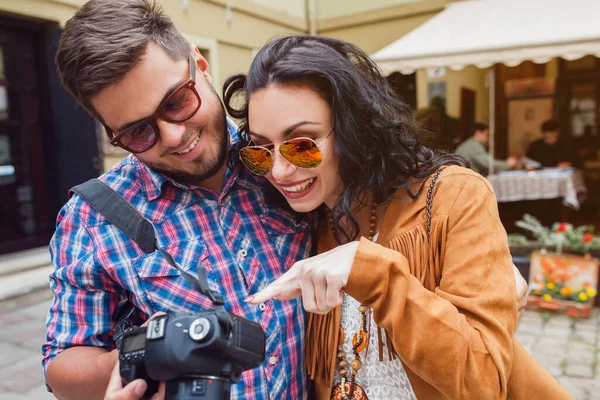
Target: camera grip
(131,372)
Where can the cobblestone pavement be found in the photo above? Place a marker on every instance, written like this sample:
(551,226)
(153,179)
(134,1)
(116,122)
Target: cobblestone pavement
(22,332)
(567,348)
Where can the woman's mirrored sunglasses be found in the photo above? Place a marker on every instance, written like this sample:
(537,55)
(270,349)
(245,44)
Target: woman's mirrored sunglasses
(179,106)
(302,152)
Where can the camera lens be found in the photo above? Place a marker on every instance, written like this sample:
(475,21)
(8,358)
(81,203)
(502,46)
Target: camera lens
(199,329)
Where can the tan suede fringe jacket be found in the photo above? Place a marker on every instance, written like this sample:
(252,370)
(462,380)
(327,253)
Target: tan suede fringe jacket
(448,310)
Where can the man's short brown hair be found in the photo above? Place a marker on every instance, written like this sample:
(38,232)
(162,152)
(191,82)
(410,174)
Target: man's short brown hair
(105,39)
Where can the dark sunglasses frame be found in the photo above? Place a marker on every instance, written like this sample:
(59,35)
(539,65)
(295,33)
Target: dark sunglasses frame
(189,83)
(282,155)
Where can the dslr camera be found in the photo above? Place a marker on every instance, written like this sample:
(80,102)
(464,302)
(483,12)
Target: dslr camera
(199,355)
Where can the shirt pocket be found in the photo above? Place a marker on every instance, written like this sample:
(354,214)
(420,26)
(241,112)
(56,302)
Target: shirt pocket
(284,222)
(164,286)
(287,230)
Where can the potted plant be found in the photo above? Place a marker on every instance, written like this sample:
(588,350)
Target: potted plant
(563,276)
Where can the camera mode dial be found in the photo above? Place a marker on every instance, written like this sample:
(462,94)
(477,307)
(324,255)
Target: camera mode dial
(199,329)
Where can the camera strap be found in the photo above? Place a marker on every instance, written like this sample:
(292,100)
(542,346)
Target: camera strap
(124,216)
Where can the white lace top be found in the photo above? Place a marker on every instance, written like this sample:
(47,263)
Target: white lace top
(381,380)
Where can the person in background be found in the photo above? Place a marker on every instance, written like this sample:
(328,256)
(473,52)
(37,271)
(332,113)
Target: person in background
(474,150)
(552,150)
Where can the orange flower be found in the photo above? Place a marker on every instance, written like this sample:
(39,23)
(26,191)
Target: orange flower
(565,276)
(566,291)
(546,266)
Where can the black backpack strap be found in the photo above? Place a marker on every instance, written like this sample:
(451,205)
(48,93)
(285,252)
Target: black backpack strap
(120,213)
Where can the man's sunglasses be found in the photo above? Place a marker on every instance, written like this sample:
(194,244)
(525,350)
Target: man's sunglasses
(179,106)
(302,152)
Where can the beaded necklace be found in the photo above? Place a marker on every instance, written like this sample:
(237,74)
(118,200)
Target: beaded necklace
(348,389)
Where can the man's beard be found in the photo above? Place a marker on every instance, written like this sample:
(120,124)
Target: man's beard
(205,168)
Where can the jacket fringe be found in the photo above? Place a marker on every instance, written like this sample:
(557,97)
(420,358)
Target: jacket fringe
(323,330)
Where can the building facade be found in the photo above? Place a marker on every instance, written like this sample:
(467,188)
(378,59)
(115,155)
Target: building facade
(48,143)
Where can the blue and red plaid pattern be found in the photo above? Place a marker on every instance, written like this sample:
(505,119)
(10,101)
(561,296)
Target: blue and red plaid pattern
(243,243)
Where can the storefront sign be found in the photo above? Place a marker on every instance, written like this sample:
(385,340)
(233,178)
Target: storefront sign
(529,87)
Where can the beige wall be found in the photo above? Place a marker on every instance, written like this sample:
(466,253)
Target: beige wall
(470,78)
(371,30)
(111,161)
(295,8)
(337,8)
(552,68)
(373,36)
(51,10)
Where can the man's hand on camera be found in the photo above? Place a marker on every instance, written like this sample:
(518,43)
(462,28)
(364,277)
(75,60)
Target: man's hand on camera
(156,314)
(132,391)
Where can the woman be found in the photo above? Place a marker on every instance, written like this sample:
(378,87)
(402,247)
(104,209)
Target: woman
(412,293)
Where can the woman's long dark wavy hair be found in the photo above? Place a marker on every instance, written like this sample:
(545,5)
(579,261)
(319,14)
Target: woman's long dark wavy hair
(375,135)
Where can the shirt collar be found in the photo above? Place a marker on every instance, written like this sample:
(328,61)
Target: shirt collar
(152,182)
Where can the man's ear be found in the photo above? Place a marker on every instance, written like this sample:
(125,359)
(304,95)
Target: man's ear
(201,63)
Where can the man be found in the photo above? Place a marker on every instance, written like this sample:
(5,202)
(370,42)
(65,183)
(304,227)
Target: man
(553,151)
(474,151)
(125,62)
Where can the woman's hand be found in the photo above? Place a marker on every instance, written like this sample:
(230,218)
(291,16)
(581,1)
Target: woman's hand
(522,289)
(134,390)
(319,280)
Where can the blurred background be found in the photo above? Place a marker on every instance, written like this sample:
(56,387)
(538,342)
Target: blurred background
(509,65)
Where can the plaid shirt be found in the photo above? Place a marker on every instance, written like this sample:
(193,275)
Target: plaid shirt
(243,243)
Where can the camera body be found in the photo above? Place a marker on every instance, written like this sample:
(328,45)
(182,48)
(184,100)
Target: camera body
(198,354)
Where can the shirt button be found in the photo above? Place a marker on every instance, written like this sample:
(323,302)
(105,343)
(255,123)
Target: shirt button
(262,307)
(272,360)
(243,253)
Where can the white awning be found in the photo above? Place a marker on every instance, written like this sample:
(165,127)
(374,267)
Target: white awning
(486,32)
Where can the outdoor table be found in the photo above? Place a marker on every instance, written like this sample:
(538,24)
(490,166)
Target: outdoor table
(547,183)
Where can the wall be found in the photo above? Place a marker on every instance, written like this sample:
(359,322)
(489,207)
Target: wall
(471,78)
(229,32)
(375,29)
(335,8)
(52,10)
(295,8)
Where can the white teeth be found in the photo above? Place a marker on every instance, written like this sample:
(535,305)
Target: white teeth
(190,147)
(300,187)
